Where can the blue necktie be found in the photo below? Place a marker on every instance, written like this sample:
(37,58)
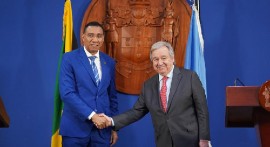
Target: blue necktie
(94,67)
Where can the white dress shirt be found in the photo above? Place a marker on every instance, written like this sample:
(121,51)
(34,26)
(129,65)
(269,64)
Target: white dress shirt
(168,83)
(97,62)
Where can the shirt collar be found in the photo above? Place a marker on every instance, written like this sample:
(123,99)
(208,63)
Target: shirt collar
(89,54)
(169,75)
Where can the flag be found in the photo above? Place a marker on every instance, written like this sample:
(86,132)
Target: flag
(194,58)
(69,43)
(190,2)
(194,2)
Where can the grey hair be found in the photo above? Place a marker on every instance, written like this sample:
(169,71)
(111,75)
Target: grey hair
(160,44)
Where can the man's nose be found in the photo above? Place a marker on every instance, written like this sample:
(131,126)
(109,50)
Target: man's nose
(95,38)
(160,62)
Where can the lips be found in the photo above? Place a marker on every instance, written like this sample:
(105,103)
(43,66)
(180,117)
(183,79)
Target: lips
(162,66)
(94,44)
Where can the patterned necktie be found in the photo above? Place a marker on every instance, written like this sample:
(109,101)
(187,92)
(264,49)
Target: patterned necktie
(94,67)
(163,93)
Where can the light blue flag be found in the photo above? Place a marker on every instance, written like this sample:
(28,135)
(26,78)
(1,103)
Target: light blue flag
(195,48)
(190,2)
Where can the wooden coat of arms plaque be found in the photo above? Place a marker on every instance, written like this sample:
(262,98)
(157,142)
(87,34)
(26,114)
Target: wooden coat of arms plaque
(131,27)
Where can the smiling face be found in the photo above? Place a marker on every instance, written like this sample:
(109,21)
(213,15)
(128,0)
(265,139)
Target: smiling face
(93,39)
(162,60)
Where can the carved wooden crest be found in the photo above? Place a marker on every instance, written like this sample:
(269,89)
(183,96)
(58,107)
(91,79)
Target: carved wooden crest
(264,95)
(131,27)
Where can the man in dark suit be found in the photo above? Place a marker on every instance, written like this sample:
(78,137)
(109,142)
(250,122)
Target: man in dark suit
(87,88)
(176,101)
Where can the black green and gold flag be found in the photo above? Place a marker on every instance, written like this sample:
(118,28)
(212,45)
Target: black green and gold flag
(69,43)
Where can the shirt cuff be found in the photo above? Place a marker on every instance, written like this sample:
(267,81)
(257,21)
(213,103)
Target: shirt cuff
(91,115)
(112,122)
(207,141)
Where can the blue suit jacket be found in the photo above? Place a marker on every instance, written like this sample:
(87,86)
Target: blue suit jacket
(81,95)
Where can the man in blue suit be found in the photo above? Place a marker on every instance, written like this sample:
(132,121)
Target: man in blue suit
(87,89)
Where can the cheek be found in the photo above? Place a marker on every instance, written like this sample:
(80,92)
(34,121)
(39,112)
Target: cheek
(86,43)
(168,64)
(101,41)
(154,66)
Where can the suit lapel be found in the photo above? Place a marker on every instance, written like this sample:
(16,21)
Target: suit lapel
(86,64)
(104,68)
(156,92)
(174,85)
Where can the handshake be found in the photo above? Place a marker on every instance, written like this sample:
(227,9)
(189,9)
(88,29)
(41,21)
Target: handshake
(101,120)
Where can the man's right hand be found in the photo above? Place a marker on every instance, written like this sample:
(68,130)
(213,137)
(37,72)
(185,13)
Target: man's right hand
(108,120)
(99,120)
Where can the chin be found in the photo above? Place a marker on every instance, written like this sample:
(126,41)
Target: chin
(162,73)
(93,50)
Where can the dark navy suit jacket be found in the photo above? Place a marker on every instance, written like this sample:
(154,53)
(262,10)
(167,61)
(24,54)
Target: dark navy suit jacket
(186,120)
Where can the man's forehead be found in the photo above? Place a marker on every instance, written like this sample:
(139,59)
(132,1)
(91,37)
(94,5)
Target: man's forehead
(93,29)
(161,50)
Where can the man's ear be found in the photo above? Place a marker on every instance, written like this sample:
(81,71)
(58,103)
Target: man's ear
(83,39)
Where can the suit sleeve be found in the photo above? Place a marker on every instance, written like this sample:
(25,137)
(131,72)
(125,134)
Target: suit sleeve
(112,93)
(201,107)
(69,93)
(137,112)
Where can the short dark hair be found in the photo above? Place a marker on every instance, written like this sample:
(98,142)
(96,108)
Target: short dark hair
(93,23)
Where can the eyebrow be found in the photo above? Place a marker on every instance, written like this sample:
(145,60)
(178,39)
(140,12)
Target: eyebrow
(95,34)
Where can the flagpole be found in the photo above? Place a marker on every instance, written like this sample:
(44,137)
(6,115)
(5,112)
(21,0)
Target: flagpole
(197,5)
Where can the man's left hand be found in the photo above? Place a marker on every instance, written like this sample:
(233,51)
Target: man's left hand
(114,138)
(204,143)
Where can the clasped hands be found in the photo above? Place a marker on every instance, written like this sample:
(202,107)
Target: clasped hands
(101,120)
